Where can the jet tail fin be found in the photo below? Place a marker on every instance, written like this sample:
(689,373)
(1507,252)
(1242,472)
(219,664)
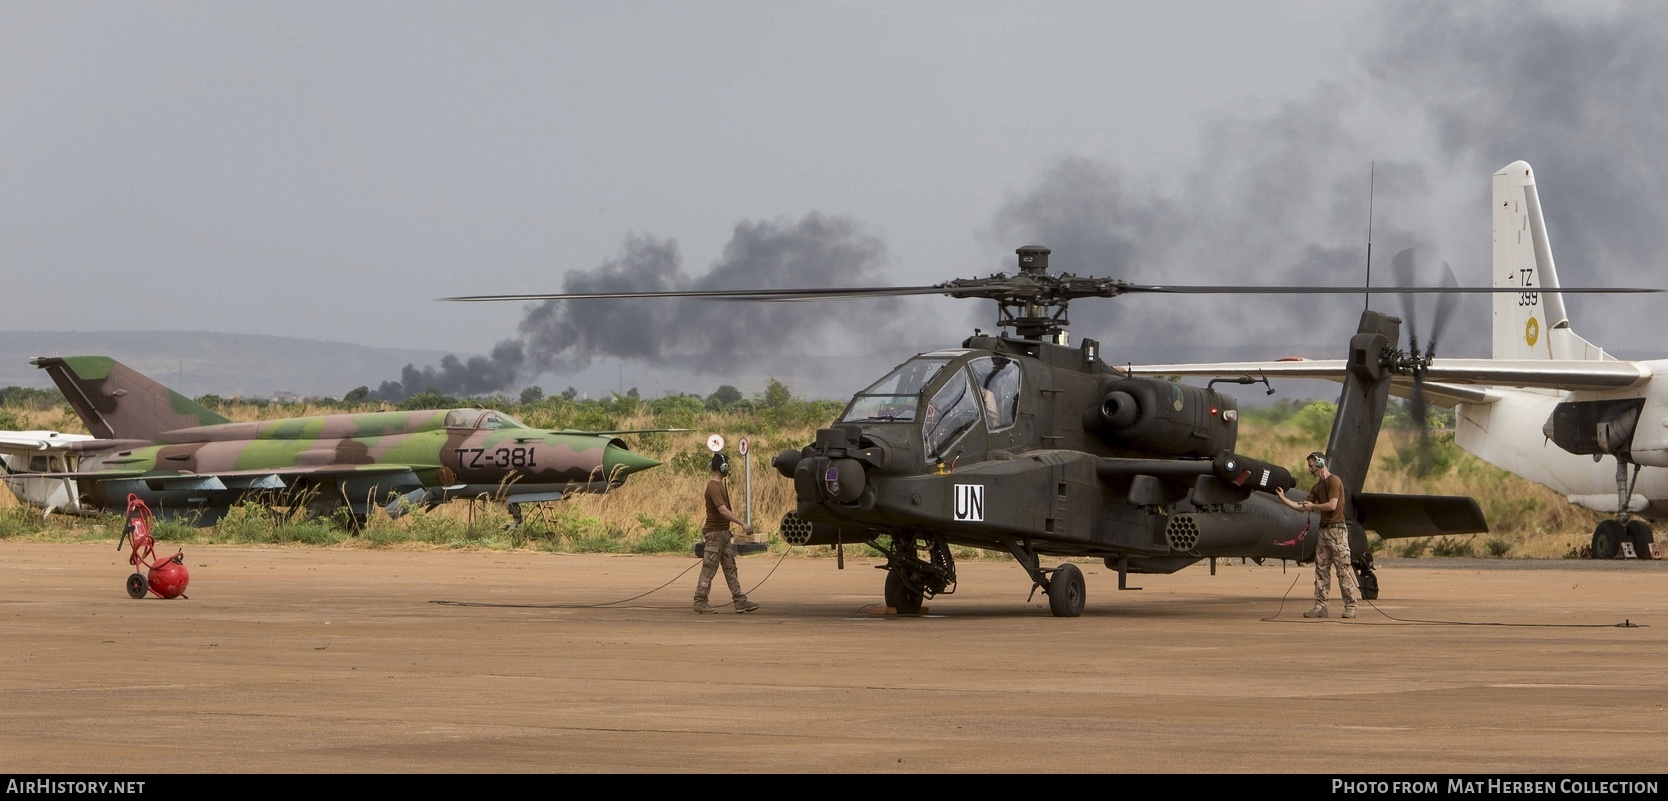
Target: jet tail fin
(1529,324)
(115,401)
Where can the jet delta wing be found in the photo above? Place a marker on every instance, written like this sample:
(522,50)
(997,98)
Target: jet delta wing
(1549,406)
(184,460)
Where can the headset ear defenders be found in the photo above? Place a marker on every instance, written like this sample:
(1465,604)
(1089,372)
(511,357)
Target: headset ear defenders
(1317,460)
(721,463)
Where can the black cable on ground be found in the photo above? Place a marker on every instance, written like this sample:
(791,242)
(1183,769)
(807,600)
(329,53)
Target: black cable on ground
(484,604)
(1625,624)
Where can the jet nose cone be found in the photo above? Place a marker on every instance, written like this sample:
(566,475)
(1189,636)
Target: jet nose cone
(617,463)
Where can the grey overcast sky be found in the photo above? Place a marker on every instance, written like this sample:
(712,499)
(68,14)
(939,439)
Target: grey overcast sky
(327,170)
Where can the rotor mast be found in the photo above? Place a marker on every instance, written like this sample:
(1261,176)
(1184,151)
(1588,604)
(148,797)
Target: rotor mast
(1033,301)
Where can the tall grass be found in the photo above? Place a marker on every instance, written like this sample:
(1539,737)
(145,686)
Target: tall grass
(659,510)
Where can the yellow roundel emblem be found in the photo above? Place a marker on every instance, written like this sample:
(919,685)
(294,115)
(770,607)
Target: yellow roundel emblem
(1531,331)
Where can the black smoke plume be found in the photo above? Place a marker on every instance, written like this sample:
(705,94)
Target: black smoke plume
(1452,93)
(703,336)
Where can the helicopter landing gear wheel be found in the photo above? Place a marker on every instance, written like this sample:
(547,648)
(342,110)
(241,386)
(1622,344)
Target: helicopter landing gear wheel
(901,596)
(1607,539)
(1065,591)
(1639,533)
(136,586)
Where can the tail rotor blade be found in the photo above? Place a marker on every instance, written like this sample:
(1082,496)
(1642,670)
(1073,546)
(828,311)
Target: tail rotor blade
(1402,264)
(1419,411)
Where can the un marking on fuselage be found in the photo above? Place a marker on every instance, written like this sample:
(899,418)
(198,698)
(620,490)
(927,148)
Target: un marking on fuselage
(970,502)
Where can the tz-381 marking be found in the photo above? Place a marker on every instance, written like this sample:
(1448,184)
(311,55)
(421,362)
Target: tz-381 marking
(502,457)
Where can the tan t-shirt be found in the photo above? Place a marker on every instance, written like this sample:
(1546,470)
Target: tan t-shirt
(1325,490)
(717,495)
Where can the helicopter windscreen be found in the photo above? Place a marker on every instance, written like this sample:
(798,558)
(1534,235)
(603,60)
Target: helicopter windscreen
(894,399)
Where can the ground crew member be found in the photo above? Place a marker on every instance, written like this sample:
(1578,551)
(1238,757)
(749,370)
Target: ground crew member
(1332,549)
(718,550)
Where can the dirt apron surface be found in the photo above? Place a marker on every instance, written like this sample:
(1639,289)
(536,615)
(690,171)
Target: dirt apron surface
(319,660)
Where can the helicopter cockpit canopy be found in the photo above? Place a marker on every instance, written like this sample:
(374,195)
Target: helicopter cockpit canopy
(896,398)
(987,389)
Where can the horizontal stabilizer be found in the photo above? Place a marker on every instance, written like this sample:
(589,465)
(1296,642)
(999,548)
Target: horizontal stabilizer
(14,441)
(1396,516)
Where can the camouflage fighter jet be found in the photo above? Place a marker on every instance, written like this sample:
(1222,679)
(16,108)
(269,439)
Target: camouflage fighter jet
(187,462)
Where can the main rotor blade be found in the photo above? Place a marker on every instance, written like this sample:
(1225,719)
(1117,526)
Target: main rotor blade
(1042,290)
(1377,290)
(830,293)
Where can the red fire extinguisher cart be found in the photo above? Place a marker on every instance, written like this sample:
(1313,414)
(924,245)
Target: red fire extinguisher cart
(167,577)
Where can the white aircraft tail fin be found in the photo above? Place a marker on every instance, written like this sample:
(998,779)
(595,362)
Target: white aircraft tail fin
(1530,324)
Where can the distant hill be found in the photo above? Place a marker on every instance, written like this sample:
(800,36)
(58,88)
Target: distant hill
(202,363)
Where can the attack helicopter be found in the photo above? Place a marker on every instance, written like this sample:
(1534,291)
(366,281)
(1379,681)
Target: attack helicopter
(1028,445)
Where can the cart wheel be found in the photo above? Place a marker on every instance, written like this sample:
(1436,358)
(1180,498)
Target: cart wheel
(136,586)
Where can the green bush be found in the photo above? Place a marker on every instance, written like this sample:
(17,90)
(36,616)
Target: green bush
(677,535)
(597,538)
(1452,546)
(17,521)
(249,522)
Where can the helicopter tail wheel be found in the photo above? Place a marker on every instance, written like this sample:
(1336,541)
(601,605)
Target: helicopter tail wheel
(1367,580)
(1607,539)
(1065,591)
(1639,533)
(900,595)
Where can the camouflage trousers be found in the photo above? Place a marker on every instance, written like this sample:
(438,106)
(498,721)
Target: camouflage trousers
(1332,553)
(719,553)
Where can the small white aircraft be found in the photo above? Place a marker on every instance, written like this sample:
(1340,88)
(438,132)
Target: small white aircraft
(25,452)
(1549,406)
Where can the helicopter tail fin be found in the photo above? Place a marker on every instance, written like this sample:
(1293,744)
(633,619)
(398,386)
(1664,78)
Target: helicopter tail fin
(115,401)
(1361,405)
(1529,324)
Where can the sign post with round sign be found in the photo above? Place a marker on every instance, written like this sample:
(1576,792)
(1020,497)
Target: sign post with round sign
(747,473)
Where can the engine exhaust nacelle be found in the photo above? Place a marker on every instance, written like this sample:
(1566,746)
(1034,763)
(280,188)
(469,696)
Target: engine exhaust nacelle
(1163,417)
